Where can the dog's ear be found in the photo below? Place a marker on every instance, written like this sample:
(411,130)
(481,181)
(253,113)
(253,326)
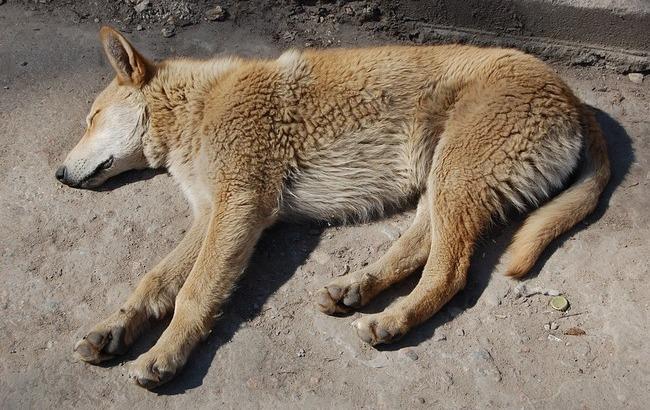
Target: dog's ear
(130,66)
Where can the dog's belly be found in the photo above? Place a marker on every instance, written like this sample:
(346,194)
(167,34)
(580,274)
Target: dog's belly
(360,175)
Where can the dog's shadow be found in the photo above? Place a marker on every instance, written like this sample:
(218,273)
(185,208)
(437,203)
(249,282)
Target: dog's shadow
(267,273)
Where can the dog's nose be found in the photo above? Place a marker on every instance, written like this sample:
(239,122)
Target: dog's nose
(60,173)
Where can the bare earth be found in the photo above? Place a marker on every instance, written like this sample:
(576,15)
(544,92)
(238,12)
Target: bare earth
(68,258)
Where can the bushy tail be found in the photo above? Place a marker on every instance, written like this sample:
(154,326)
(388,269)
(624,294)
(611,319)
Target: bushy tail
(566,209)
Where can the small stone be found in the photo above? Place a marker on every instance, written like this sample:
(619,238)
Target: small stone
(421,400)
(96,20)
(216,13)
(575,331)
(345,270)
(23,64)
(636,78)
(554,326)
(168,32)
(301,353)
(439,337)
(410,353)
(554,338)
(552,292)
(139,27)
(391,232)
(460,332)
(484,365)
(547,326)
(142,6)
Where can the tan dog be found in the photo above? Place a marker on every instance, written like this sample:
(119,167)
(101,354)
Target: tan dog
(335,134)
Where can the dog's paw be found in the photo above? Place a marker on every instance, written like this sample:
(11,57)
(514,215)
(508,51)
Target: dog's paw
(379,328)
(152,369)
(101,344)
(339,297)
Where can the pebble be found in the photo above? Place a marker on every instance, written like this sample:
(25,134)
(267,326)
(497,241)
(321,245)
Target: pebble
(301,353)
(140,7)
(421,400)
(484,365)
(391,232)
(216,13)
(554,326)
(460,332)
(139,27)
(636,78)
(345,270)
(439,337)
(168,32)
(410,353)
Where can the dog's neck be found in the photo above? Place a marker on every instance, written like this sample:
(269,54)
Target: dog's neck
(175,101)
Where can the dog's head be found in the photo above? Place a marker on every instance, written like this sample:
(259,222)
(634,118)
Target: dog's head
(117,121)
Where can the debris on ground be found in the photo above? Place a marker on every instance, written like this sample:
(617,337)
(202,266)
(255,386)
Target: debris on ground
(559,303)
(574,331)
(636,78)
(216,13)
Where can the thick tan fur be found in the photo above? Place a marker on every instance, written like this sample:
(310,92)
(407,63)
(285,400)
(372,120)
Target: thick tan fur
(338,134)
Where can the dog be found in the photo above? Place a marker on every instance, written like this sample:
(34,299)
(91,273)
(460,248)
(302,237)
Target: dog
(471,134)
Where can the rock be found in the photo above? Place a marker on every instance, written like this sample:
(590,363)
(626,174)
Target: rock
(216,13)
(554,326)
(484,365)
(139,27)
(636,78)
(439,337)
(391,232)
(371,12)
(301,353)
(410,353)
(168,32)
(142,6)
(345,270)
(460,332)
(554,338)
(421,400)
(575,331)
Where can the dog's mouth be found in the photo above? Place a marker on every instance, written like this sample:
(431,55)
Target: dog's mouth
(88,180)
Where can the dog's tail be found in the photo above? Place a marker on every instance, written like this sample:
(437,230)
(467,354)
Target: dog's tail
(566,209)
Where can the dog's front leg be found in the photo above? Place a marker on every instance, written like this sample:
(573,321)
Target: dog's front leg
(237,220)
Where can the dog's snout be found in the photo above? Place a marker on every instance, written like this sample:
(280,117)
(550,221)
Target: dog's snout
(60,173)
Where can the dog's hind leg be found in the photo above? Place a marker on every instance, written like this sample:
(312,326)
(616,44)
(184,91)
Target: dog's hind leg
(457,217)
(153,298)
(406,255)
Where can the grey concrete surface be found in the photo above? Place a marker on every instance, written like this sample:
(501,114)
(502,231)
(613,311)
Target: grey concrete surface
(609,23)
(68,258)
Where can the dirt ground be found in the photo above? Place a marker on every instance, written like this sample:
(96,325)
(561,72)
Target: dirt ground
(69,257)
